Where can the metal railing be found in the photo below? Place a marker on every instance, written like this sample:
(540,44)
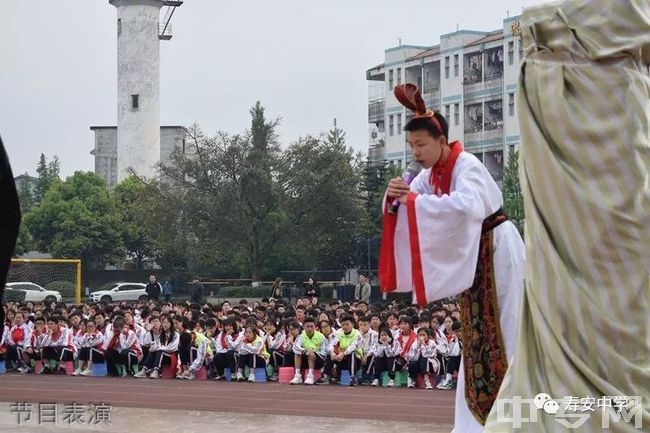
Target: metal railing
(164,30)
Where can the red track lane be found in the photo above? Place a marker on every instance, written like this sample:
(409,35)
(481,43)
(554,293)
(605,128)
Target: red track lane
(385,404)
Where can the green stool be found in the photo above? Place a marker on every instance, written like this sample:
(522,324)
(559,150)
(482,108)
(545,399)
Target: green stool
(121,369)
(401,378)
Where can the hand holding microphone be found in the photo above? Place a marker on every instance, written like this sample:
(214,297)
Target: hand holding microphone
(399,187)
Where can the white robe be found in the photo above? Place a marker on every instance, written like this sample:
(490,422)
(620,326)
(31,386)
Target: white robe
(449,232)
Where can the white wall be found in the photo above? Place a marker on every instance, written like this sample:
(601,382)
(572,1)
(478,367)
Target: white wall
(138,72)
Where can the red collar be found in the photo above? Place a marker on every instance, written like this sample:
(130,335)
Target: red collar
(441,173)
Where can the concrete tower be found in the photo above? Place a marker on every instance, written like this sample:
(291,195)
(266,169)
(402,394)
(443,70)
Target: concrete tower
(139,31)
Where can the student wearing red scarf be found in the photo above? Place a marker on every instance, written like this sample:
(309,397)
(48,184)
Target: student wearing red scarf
(17,339)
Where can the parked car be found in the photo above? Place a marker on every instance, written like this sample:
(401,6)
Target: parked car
(34,292)
(118,292)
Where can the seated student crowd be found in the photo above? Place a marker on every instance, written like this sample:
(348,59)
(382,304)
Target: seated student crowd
(369,342)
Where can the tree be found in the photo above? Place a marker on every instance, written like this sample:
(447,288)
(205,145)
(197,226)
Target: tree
(25,185)
(48,173)
(129,197)
(78,218)
(513,203)
(321,181)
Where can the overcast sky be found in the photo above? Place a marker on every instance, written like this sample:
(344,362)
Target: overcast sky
(305,60)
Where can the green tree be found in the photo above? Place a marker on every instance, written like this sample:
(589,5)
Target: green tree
(24,242)
(513,202)
(78,218)
(321,181)
(129,196)
(48,173)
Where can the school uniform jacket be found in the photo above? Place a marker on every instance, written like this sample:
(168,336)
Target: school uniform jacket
(388,350)
(369,341)
(18,335)
(275,342)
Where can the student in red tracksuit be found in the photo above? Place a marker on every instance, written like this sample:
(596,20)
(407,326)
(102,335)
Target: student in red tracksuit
(58,345)
(406,337)
(121,347)
(16,340)
(33,349)
(91,349)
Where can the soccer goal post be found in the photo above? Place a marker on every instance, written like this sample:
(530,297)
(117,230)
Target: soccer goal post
(59,275)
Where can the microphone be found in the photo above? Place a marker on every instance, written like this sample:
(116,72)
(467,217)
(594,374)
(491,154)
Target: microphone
(411,172)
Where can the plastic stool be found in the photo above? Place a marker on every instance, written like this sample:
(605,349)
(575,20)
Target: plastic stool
(99,369)
(202,374)
(345,378)
(227,374)
(38,366)
(317,373)
(419,383)
(3,368)
(166,372)
(260,375)
(401,378)
(69,367)
(285,374)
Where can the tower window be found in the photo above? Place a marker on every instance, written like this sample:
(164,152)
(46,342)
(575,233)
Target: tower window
(119,26)
(135,102)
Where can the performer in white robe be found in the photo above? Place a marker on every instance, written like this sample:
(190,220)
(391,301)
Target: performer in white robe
(450,217)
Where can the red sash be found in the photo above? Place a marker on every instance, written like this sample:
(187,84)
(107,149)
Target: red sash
(17,335)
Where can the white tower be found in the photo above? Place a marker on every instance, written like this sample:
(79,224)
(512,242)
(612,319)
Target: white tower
(139,32)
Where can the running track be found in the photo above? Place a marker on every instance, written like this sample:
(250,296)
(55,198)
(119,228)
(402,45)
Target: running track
(385,404)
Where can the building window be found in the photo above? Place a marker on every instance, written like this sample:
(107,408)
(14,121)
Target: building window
(521,49)
(391,126)
(447,67)
(447,112)
(135,102)
(390,80)
(119,26)
(456,114)
(456,65)
(399,124)
(511,104)
(511,53)
(399,76)
(399,163)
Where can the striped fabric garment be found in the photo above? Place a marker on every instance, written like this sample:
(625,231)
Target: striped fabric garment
(584,111)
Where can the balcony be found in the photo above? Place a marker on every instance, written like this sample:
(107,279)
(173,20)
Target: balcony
(376,111)
(485,138)
(431,96)
(376,154)
(479,90)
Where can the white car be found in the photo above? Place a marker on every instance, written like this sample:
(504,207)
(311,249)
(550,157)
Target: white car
(34,292)
(118,292)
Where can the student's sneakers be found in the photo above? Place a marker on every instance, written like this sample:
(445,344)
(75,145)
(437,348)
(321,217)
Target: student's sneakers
(141,374)
(77,372)
(445,384)
(189,375)
(353,381)
(26,370)
(273,377)
(410,383)
(297,380)
(179,374)
(251,377)
(239,377)
(309,380)
(324,380)
(375,382)
(87,372)
(391,383)
(427,383)
(154,374)
(217,377)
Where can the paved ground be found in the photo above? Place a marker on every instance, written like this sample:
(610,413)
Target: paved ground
(170,405)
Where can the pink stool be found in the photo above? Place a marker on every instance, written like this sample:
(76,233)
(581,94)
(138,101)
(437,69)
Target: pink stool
(317,373)
(202,374)
(69,367)
(419,383)
(38,366)
(285,374)
(166,372)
